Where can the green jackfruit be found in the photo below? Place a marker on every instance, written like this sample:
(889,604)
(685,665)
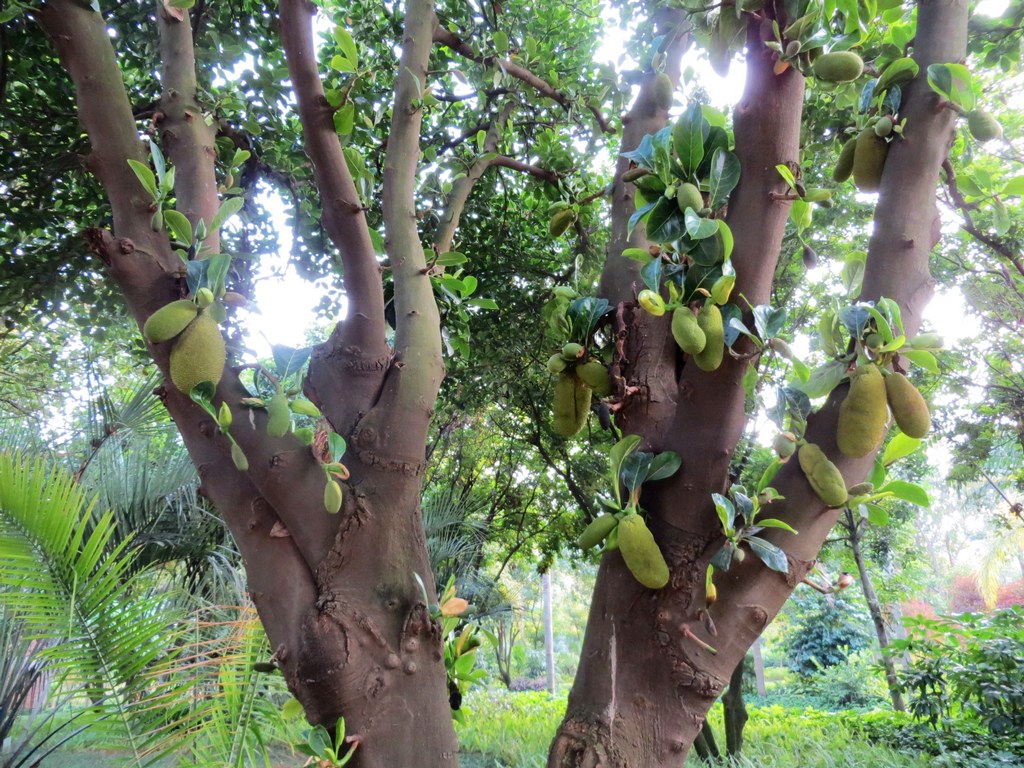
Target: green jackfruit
(784,445)
(869,161)
(598,529)
(198,355)
(641,553)
(571,405)
(556,364)
(687,332)
(170,320)
(863,414)
(332,497)
(709,319)
(823,475)
(663,91)
(595,376)
(908,406)
(844,165)
(688,196)
(838,67)
(983,126)
(238,457)
(561,221)
(883,127)
(280,416)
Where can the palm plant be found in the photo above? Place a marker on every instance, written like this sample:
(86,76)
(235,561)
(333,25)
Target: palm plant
(64,579)
(20,671)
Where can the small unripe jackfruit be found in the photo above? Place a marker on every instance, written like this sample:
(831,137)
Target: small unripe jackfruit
(170,320)
(641,553)
(561,221)
(663,91)
(869,161)
(687,332)
(823,476)
(598,529)
(863,414)
(688,196)
(595,376)
(571,405)
(652,302)
(279,415)
(556,364)
(238,457)
(198,355)
(332,496)
(983,126)
(838,67)
(844,165)
(908,406)
(709,319)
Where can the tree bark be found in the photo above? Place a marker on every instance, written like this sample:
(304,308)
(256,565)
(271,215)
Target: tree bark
(645,683)
(875,608)
(735,710)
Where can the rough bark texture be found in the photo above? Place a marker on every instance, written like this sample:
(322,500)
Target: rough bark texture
(337,593)
(644,684)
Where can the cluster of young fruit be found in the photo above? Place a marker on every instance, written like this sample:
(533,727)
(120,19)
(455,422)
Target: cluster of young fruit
(700,335)
(580,376)
(863,418)
(198,353)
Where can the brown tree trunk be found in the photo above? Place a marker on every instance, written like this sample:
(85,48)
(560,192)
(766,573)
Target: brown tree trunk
(338,594)
(646,678)
(735,710)
(853,527)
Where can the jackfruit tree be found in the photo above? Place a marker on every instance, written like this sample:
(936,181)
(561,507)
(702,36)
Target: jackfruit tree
(398,133)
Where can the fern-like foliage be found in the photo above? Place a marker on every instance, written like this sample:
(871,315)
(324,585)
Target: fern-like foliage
(108,635)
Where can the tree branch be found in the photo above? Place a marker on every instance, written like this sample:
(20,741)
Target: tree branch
(410,389)
(342,211)
(448,38)
(185,134)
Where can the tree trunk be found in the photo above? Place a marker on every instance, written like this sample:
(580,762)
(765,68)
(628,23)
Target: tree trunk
(875,607)
(647,675)
(338,595)
(549,637)
(762,689)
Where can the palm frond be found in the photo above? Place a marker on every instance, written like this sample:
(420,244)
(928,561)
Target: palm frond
(65,579)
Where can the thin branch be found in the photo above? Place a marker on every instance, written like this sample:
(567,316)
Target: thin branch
(532,170)
(448,38)
(343,216)
(186,135)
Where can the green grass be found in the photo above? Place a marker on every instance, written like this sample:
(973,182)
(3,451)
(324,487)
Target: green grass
(514,730)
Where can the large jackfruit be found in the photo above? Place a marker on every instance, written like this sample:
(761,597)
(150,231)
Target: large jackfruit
(824,476)
(869,161)
(709,319)
(571,405)
(863,414)
(908,406)
(198,355)
(641,553)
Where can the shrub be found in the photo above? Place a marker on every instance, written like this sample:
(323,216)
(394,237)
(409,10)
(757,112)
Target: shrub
(858,682)
(826,631)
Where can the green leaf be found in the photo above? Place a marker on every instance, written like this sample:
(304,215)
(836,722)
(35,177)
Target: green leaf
(900,447)
(634,470)
(876,515)
(787,175)
(616,455)
(724,176)
(769,554)
(768,475)
(185,4)
(728,242)
(774,522)
(145,177)
(342,64)
(922,358)
(954,81)
(726,513)
(500,41)
(769,320)
(180,226)
(227,209)
(698,227)
(688,137)
(824,379)
(641,255)
(451,259)
(665,222)
(906,491)
(1014,187)
(336,445)
(345,119)
(347,45)
(665,464)
(291,709)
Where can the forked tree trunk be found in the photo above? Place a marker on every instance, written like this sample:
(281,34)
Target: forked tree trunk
(338,594)
(645,683)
